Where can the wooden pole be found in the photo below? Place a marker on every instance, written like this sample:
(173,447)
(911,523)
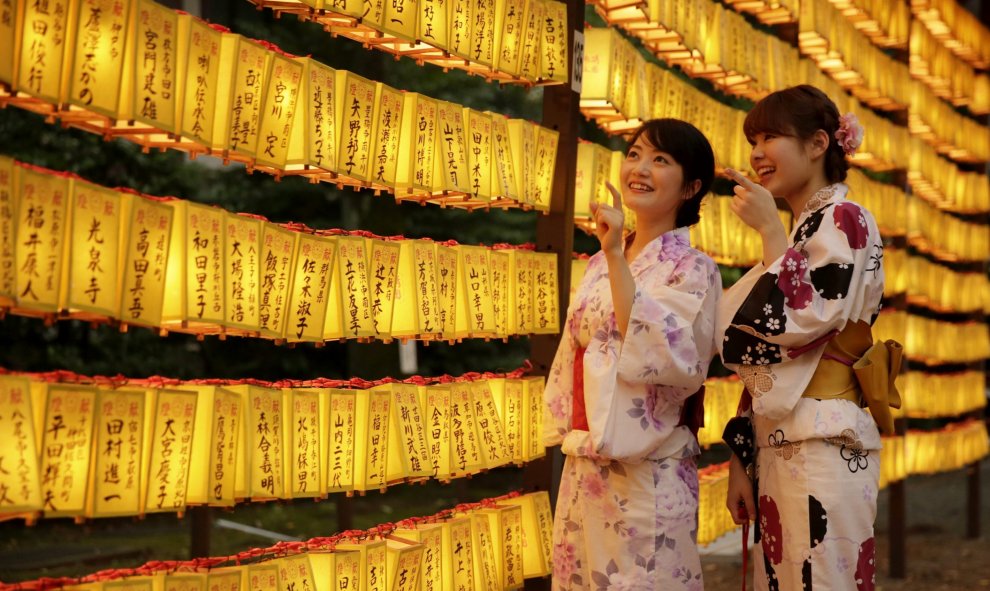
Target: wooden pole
(200,524)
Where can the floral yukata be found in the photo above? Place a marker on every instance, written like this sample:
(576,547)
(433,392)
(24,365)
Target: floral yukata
(626,515)
(817,466)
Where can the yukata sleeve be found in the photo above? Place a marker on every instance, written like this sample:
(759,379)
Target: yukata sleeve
(635,384)
(559,391)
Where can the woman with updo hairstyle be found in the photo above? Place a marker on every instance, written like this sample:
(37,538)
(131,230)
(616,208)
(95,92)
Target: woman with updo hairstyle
(792,328)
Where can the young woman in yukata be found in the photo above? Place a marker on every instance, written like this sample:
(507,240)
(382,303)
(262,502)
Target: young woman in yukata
(637,344)
(790,328)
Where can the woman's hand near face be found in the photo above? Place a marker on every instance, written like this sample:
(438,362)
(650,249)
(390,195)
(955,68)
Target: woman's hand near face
(609,223)
(756,208)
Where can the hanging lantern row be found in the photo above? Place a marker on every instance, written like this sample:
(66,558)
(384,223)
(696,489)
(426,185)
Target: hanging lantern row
(885,22)
(71,249)
(769,12)
(957,28)
(928,395)
(944,185)
(112,446)
(934,342)
(949,76)
(165,79)
(951,448)
(508,41)
(724,237)
(493,545)
(950,133)
(935,286)
(893,465)
(944,236)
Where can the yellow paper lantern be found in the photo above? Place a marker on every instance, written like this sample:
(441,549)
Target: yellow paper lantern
(447,290)
(277,263)
(19,481)
(579,267)
(155,99)
(533,438)
(435,402)
(209,57)
(94,252)
(10,32)
(459,34)
(545,290)
(416,312)
(383,273)
(458,554)
(119,433)
(357,320)
(279,113)
(408,449)
(500,266)
(404,560)
(311,283)
(129,584)
(9,199)
(537,533)
(98,55)
(892,461)
(510,22)
(373,563)
(415,169)
(522,141)
(42,69)
(356,114)
(42,243)
(554,51)
(430,536)
(400,19)
(432,25)
(334,571)
(170,417)
(465,451)
(372,410)
(146,259)
(486,570)
(313,141)
(306,426)
(476,289)
(384,159)
(521,286)
(196,268)
(343,440)
(265,423)
(213,465)
(584,182)
(452,171)
(544,167)
(494,448)
(184,581)
(504,183)
(505,524)
(260,576)
(478,127)
(66,446)
(237,132)
(509,399)
(243,273)
(530,60)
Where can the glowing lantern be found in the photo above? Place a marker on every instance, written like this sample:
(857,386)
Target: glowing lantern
(404,564)
(389,104)
(553,44)
(10,25)
(169,427)
(408,450)
(578,269)
(66,447)
(483,33)
(435,402)
(260,576)
(546,163)
(356,320)
(343,439)
(537,533)
(465,452)
(265,443)
(400,19)
(510,21)
(279,113)
(500,265)
(584,181)
(9,192)
(530,54)
(447,290)
(243,273)
(333,571)
(306,425)
(603,85)
(196,268)
(19,486)
(504,183)
(94,255)
(533,438)
(98,56)
(184,581)
(430,536)
(119,429)
(415,168)
(146,260)
(475,291)
(238,131)
(243,455)
(892,461)
(452,171)
(129,584)
(208,69)
(494,449)
(545,297)
(372,409)
(277,257)
(313,142)
(373,563)
(41,239)
(486,571)
(416,311)
(513,406)
(311,283)
(433,26)
(521,286)
(478,128)
(505,525)
(522,141)
(458,554)
(154,96)
(213,466)
(459,39)
(383,272)
(40,69)
(356,113)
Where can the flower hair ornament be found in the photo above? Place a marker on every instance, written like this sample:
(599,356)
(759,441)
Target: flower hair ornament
(850,133)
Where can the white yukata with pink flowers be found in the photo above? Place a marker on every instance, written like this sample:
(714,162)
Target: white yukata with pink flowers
(817,465)
(626,515)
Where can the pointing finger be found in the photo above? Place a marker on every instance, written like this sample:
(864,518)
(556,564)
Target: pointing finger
(739,178)
(616,196)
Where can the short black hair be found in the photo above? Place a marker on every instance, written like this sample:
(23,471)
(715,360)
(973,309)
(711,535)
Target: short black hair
(689,148)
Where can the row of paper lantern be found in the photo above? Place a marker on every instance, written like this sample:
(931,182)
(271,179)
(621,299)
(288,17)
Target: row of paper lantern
(521,42)
(950,77)
(951,448)
(945,236)
(144,446)
(83,251)
(935,341)
(957,28)
(163,78)
(943,184)
(935,286)
(951,133)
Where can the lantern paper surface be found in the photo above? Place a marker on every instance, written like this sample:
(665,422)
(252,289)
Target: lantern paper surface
(311,279)
(43,45)
(530,58)
(522,139)
(371,438)
(213,466)
(243,272)
(120,430)
(400,19)
(514,409)
(418,146)
(435,401)
(98,56)
(184,582)
(10,23)
(263,576)
(459,40)
(408,452)
(478,127)
(430,535)
(447,291)
(465,450)
(169,433)
(521,318)
(146,262)
(207,54)
(494,448)
(476,289)
(41,239)
(545,296)
(452,170)
(458,554)
(204,265)
(500,267)
(373,563)
(546,162)
(66,448)
(511,18)
(132,584)
(265,423)
(336,571)
(19,482)
(382,273)
(416,309)
(553,44)
(279,111)
(433,27)
(155,98)
(504,182)
(404,563)
(342,441)
(313,141)
(385,149)
(10,191)
(505,525)
(304,459)
(537,532)
(234,579)
(486,569)
(94,252)
(356,297)
(533,442)
(277,255)
(355,108)
(251,67)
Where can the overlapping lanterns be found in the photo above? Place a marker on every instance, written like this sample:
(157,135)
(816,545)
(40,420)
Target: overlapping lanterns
(165,79)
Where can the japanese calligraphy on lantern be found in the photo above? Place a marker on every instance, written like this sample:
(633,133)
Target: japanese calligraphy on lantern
(476,289)
(97,67)
(342,444)
(509,541)
(314,137)
(459,551)
(530,59)
(465,450)
(483,32)
(479,150)
(485,571)
(119,447)
(546,161)
(522,138)
(145,262)
(9,18)
(212,469)
(65,449)
(387,135)
(155,70)
(435,401)
(515,406)
(534,418)
(311,287)
(306,429)
(425,148)
(500,265)
(511,20)
(229,579)
(265,416)
(494,449)
(400,19)
(171,450)
(459,15)
(447,290)
(545,293)
(95,249)
(39,72)
(250,78)
(356,118)
(243,268)
(41,239)
(205,249)
(19,486)
(452,172)
(9,190)
(408,452)
(383,273)
(370,453)
(202,69)
(279,111)
(416,311)
(553,47)
(295,573)
(432,26)
(277,252)
(503,174)
(521,286)
(430,535)
(405,558)
(262,576)
(355,294)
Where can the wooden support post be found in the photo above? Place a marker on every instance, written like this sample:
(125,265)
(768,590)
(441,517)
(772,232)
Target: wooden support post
(200,524)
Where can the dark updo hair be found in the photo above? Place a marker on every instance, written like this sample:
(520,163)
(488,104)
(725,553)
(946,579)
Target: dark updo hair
(689,148)
(800,111)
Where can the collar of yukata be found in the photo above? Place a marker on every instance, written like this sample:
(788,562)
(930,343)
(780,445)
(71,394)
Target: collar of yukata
(824,196)
(664,246)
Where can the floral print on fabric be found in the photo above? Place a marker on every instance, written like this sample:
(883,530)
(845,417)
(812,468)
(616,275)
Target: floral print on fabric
(866,566)
(771,533)
(793,280)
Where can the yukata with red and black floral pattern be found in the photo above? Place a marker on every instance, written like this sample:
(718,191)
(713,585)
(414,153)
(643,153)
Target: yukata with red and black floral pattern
(817,461)
(626,515)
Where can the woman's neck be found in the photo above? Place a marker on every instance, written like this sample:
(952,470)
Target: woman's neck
(798,199)
(646,232)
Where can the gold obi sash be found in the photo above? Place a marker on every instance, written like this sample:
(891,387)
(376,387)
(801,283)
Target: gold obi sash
(854,368)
